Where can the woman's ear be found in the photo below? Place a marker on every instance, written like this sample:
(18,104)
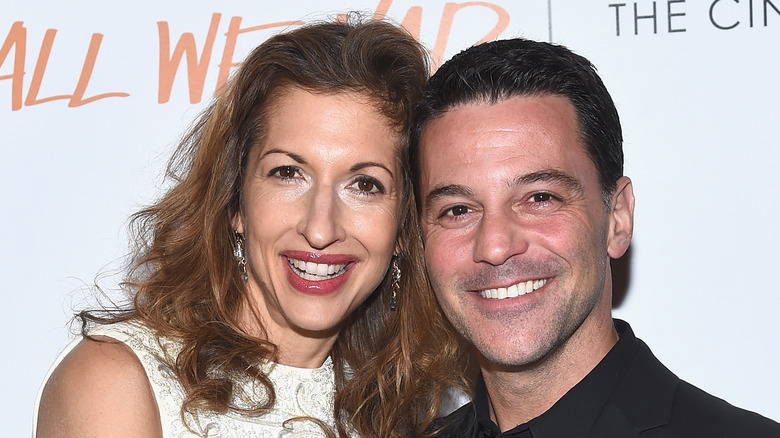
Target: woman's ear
(238,222)
(621,218)
(399,248)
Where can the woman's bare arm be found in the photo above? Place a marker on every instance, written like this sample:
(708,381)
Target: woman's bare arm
(100,389)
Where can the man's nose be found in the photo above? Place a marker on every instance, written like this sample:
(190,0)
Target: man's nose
(498,237)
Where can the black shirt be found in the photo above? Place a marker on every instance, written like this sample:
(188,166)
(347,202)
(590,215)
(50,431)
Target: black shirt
(571,416)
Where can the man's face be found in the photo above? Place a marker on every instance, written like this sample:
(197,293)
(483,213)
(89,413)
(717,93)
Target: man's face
(517,236)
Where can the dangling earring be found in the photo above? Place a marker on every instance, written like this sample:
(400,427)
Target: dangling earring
(238,252)
(396,286)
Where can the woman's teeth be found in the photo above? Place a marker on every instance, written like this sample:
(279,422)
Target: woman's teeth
(316,271)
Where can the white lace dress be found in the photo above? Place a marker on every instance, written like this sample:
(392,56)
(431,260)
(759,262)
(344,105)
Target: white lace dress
(300,392)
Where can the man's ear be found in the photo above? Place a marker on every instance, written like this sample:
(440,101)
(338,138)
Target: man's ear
(621,218)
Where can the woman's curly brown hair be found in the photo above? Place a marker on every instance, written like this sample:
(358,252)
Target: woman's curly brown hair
(392,366)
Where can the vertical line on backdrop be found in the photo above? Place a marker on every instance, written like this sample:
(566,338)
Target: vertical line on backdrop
(549,20)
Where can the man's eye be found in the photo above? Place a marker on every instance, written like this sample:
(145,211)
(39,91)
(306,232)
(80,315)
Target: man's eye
(449,216)
(541,197)
(541,203)
(457,210)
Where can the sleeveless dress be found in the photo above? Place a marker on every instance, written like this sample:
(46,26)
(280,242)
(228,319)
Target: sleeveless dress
(300,392)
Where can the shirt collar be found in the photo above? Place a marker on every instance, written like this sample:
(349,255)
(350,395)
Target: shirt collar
(576,412)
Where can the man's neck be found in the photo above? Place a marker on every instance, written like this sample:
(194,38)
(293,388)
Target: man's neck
(518,395)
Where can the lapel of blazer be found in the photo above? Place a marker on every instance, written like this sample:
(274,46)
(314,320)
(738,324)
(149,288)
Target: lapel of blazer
(642,400)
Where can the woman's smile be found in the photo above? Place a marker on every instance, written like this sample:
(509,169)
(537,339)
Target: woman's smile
(325,276)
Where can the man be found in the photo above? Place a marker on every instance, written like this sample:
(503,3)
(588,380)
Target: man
(517,149)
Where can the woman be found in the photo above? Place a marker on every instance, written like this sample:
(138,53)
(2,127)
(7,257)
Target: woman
(278,286)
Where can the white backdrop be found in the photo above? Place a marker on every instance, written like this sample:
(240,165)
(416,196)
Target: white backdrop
(88,118)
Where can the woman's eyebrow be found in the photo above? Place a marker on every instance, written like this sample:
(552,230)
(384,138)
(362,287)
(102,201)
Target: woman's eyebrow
(299,159)
(364,164)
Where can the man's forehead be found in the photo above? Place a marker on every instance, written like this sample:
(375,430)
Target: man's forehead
(502,141)
(483,126)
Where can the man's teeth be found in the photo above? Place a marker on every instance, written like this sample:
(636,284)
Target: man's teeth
(514,290)
(316,271)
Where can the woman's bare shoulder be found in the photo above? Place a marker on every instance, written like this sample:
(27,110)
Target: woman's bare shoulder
(99,389)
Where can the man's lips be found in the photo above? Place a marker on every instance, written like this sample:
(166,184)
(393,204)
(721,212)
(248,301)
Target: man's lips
(514,290)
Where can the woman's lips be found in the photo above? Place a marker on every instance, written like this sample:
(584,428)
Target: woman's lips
(317,274)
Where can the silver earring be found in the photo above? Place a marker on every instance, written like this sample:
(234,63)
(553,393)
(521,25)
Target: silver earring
(396,286)
(238,252)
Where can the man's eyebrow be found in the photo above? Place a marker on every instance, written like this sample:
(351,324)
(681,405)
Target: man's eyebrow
(551,176)
(445,191)
(547,175)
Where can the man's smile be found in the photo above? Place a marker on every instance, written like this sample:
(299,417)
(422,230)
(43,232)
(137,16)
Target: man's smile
(514,290)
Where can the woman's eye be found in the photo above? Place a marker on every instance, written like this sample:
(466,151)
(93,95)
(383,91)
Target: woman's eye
(284,172)
(368,185)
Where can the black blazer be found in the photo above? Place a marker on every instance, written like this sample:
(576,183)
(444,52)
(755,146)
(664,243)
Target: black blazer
(651,402)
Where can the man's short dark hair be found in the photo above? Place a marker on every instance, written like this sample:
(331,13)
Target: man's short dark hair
(499,70)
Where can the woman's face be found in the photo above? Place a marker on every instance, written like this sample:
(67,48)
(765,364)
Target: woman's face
(320,214)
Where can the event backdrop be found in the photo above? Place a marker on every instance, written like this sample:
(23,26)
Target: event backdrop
(95,94)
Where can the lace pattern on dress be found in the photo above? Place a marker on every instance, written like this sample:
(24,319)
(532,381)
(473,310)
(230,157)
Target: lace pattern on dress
(300,392)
